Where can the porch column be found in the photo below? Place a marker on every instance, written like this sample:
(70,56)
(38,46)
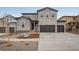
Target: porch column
(65,27)
(39,27)
(55,28)
(6,30)
(34,25)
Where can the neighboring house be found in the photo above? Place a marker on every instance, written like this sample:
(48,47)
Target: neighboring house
(71,22)
(61,27)
(16,24)
(11,23)
(3,25)
(77,21)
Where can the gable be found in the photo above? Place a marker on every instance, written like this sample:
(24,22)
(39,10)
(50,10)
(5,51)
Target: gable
(23,17)
(32,16)
(47,8)
(9,18)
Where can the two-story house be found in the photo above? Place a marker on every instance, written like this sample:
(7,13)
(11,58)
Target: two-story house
(10,23)
(44,20)
(70,22)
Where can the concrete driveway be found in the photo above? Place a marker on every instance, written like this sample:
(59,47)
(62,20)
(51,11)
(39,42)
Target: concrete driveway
(58,42)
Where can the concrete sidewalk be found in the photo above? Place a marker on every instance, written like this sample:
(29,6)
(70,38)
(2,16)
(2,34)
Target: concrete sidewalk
(58,42)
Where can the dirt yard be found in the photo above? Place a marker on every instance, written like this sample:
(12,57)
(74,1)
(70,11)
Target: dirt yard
(18,45)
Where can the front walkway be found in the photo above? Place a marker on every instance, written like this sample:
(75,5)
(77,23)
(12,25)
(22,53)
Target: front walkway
(58,42)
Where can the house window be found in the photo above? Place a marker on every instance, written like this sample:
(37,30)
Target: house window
(22,24)
(46,15)
(7,19)
(74,18)
(52,15)
(41,15)
(77,23)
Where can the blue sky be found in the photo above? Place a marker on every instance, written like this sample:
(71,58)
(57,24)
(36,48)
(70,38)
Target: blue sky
(16,11)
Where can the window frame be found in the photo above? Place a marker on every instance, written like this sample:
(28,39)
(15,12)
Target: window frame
(23,25)
(52,14)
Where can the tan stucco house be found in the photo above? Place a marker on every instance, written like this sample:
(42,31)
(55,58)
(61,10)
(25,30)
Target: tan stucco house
(70,22)
(66,20)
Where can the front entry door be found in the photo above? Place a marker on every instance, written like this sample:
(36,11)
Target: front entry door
(11,30)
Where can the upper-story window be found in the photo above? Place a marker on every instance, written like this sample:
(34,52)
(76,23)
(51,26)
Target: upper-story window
(52,15)
(74,18)
(41,15)
(22,24)
(46,15)
(7,19)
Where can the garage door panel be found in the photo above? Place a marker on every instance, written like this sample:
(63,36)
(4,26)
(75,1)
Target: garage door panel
(11,29)
(47,28)
(2,29)
(60,28)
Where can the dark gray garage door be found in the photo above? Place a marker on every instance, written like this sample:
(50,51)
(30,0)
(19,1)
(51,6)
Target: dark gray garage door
(11,29)
(60,28)
(47,28)
(2,29)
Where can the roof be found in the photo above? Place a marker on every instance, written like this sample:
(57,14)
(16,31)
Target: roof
(65,16)
(23,17)
(39,10)
(47,8)
(29,13)
(7,16)
(59,20)
(77,16)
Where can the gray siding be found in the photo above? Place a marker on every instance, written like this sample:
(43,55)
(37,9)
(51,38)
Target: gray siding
(33,16)
(50,20)
(26,27)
